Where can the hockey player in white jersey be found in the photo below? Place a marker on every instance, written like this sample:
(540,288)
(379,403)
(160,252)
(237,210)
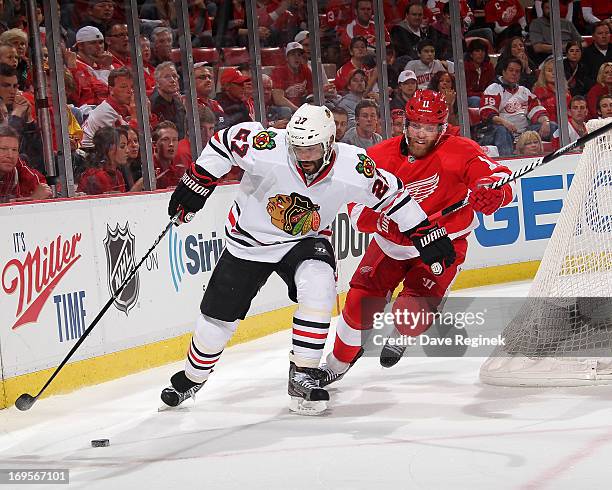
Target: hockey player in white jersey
(294,183)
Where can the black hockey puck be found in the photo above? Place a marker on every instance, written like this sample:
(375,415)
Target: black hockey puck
(100,443)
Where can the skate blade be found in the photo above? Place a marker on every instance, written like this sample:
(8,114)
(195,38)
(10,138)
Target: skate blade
(185,406)
(300,406)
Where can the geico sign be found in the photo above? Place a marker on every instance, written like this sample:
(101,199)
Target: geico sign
(537,205)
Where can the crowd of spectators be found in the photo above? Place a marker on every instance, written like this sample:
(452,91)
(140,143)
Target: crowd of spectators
(509,75)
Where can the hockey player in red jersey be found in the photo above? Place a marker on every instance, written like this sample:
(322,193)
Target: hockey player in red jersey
(439,169)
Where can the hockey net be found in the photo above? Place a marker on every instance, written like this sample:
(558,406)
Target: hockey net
(562,335)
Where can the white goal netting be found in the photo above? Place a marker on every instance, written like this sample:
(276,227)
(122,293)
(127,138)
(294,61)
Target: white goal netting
(562,336)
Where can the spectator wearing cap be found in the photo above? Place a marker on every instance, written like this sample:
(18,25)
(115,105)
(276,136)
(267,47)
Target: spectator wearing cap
(362,25)
(397,122)
(293,81)
(409,32)
(161,45)
(204,83)
(329,89)
(364,134)
(357,89)
(115,110)
(406,87)
(17,180)
(427,65)
(233,97)
(479,71)
(166,101)
(91,88)
(359,52)
(600,51)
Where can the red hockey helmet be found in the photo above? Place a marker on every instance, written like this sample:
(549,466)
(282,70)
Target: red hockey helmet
(427,107)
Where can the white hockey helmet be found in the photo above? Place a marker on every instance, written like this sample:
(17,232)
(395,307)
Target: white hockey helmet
(312,125)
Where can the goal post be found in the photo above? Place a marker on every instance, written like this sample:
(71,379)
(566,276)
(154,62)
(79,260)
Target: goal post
(562,335)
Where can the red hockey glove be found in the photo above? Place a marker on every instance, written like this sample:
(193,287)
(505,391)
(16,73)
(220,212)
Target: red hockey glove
(191,193)
(387,228)
(433,244)
(484,199)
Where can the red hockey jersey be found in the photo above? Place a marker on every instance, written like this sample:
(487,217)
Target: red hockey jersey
(440,179)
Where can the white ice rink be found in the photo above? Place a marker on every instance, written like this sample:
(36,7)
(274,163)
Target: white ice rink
(427,423)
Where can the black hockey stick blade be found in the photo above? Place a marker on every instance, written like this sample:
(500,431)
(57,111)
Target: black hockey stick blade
(25,401)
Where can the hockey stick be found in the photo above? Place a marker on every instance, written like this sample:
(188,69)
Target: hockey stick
(25,401)
(538,162)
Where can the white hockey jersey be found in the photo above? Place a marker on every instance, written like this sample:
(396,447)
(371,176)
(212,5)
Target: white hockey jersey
(276,206)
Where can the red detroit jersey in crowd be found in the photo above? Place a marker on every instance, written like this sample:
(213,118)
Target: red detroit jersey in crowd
(436,181)
(504,12)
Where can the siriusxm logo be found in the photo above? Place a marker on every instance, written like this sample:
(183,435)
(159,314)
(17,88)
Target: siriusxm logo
(192,255)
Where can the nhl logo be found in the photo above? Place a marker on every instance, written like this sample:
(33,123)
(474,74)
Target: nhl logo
(119,246)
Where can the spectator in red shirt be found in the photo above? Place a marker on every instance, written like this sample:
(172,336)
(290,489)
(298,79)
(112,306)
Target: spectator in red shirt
(148,68)
(17,180)
(479,71)
(91,88)
(233,97)
(507,17)
(165,143)
(293,81)
(362,25)
(359,52)
(602,87)
(183,158)
(110,153)
(204,84)
(594,11)
(118,42)
(545,89)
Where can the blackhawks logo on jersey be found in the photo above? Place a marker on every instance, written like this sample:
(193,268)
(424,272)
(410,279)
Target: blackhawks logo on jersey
(294,214)
(264,140)
(366,166)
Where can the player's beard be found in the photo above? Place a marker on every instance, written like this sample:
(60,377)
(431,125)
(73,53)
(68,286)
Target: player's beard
(420,148)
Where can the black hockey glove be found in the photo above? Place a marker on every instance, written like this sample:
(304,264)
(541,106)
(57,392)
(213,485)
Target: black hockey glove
(191,193)
(433,244)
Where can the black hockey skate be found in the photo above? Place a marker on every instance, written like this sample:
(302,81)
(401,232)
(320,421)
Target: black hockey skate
(391,353)
(180,389)
(307,397)
(330,376)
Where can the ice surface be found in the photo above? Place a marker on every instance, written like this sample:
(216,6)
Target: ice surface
(427,423)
